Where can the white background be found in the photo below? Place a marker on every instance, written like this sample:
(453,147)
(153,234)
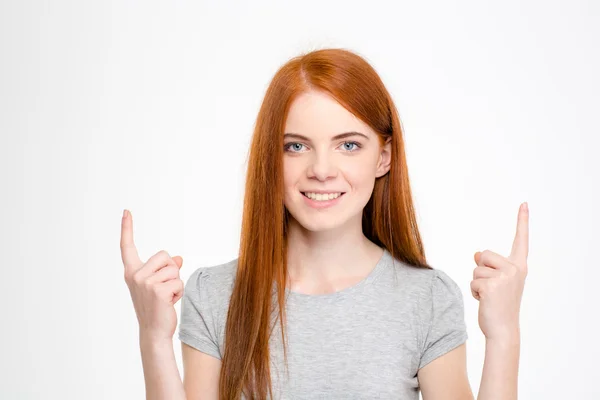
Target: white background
(150,106)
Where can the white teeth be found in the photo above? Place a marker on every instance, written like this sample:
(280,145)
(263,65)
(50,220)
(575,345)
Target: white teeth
(322,196)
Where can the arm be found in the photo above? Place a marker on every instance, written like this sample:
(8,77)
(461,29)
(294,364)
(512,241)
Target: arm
(445,378)
(499,379)
(160,371)
(201,373)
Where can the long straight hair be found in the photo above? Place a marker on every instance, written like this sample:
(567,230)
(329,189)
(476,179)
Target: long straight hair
(388,218)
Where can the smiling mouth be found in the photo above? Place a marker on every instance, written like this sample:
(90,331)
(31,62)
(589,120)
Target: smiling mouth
(322,196)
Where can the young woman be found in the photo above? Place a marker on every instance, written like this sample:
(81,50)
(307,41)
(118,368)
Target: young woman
(331,296)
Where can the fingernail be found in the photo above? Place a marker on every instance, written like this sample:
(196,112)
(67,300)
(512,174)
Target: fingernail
(124,213)
(525,207)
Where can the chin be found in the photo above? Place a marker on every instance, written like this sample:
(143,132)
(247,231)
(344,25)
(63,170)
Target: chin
(317,224)
(321,222)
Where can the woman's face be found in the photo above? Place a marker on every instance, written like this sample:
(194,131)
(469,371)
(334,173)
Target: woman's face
(330,162)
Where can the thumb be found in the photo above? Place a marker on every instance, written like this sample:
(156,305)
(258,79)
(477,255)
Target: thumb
(178,260)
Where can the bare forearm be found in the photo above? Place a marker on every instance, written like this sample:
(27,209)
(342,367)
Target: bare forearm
(160,371)
(499,380)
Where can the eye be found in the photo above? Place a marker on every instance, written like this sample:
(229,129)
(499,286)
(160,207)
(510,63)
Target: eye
(348,146)
(295,146)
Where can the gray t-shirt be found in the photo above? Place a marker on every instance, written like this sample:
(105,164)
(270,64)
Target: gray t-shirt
(364,342)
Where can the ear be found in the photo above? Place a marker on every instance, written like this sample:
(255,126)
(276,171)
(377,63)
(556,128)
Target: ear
(385,158)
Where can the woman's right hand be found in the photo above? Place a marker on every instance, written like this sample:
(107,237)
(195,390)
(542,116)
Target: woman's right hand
(154,286)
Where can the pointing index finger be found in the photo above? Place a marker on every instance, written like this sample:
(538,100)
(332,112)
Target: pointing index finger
(520,247)
(129,253)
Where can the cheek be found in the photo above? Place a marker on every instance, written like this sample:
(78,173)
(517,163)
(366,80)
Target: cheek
(290,172)
(360,173)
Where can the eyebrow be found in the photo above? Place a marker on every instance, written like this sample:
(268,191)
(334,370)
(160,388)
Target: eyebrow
(336,137)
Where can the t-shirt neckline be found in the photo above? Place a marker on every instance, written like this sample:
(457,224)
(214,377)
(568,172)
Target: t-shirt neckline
(375,272)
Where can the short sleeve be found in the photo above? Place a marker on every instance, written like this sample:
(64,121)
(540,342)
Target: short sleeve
(443,323)
(198,326)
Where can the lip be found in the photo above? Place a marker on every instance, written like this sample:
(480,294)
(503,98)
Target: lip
(321,204)
(322,191)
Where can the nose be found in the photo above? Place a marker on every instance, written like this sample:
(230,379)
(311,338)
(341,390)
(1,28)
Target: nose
(322,167)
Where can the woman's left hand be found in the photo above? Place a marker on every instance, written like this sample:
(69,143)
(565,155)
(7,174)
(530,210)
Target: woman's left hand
(498,284)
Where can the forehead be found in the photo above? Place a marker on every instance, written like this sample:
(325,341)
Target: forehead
(316,114)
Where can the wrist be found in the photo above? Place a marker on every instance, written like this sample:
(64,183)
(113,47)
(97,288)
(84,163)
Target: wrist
(151,341)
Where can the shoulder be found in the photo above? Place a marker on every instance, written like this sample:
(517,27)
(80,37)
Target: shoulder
(214,283)
(438,298)
(426,288)
(424,281)
(220,272)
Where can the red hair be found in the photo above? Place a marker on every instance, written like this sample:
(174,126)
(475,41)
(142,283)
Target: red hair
(388,218)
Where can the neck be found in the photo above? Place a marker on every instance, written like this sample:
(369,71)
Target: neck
(329,259)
